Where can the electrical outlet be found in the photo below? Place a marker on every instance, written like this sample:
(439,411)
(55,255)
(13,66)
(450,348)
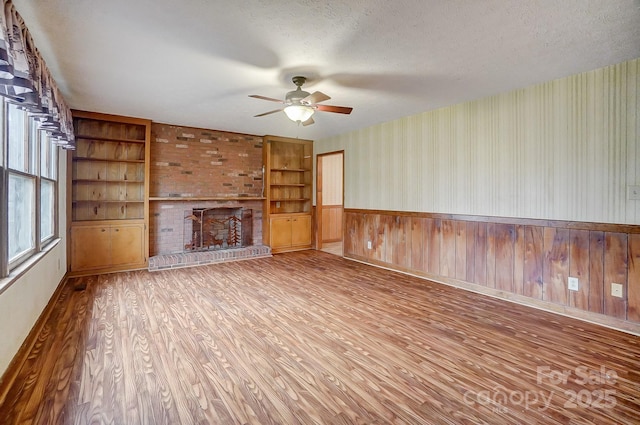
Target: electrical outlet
(278,204)
(616,290)
(573,283)
(368,244)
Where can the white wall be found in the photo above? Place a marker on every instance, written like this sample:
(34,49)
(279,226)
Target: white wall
(22,303)
(566,149)
(332,179)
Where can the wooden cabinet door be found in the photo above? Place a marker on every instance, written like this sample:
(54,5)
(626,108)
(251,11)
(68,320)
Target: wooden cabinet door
(301,230)
(280,232)
(90,247)
(127,244)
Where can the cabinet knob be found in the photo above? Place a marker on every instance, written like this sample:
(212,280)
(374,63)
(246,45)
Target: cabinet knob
(117,230)
(103,230)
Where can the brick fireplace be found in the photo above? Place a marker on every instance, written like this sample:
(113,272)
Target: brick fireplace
(195,171)
(207,229)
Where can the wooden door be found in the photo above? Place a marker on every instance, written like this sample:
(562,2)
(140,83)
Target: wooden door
(90,247)
(301,230)
(280,232)
(127,246)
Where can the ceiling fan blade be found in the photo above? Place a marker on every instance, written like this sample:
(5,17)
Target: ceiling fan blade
(257,96)
(308,122)
(337,109)
(267,113)
(315,97)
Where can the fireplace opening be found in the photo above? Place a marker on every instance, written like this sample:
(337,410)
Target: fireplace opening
(208,229)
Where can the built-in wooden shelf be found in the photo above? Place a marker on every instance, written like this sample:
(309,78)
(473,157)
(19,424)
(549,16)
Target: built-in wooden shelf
(111,139)
(206,198)
(286,224)
(109,186)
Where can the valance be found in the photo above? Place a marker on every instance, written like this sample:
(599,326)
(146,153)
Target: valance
(26,80)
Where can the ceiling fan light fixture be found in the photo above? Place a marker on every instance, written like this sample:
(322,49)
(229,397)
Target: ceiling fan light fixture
(299,105)
(299,112)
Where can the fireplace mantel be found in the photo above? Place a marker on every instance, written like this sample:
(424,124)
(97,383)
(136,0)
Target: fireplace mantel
(206,198)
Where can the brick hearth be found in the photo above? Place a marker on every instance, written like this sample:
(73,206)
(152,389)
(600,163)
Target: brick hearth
(189,259)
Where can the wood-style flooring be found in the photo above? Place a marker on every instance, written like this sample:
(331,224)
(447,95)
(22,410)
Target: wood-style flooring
(334,248)
(312,338)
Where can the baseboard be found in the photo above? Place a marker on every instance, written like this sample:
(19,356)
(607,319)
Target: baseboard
(8,378)
(575,313)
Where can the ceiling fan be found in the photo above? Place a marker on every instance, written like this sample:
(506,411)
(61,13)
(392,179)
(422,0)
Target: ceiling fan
(300,105)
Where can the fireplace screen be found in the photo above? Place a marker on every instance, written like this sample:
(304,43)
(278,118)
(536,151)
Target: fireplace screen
(217,228)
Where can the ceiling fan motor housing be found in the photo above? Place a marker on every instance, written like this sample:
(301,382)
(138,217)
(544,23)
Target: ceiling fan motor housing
(295,96)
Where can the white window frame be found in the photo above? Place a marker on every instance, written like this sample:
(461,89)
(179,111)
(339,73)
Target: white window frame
(40,143)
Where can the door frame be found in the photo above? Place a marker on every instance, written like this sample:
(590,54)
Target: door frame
(318,214)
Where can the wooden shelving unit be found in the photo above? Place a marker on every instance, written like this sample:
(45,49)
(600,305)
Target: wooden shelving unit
(109,193)
(288,192)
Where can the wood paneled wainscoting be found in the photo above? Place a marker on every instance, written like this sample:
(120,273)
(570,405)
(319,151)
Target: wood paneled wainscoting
(331,223)
(523,260)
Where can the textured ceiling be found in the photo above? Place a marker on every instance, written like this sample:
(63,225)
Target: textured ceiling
(194,62)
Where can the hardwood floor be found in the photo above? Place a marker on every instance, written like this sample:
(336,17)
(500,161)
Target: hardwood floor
(312,338)
(334,248)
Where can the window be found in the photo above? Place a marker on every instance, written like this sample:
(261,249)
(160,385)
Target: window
(19,158)
(47,210)
(21,215)
(48,175)
(29,165)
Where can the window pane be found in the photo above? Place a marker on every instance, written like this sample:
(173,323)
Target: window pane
(47,209)
(18,153)
(45,155)
(3,138)
(21,215)
(54,160)
(34,142)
